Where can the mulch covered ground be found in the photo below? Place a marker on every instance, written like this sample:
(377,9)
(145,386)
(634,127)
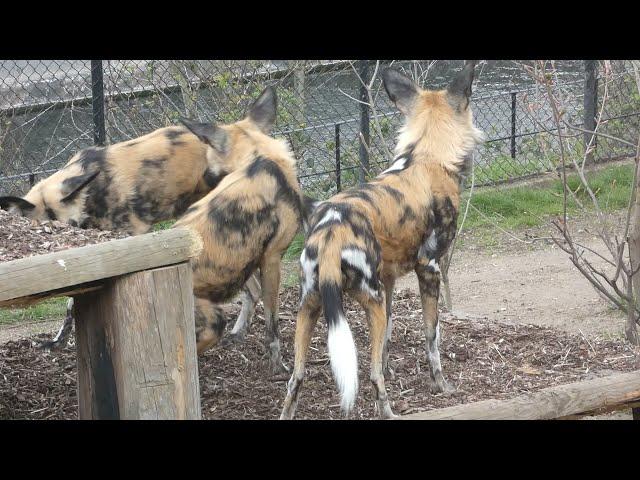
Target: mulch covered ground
(481,359)
(21,237)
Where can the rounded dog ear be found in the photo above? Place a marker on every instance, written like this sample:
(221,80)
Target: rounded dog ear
(16,203)
(74,185)
(263,111)
(401,89)
(459,89)
(208,133)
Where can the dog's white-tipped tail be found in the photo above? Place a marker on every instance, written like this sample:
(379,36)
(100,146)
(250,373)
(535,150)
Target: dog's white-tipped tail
(344,361)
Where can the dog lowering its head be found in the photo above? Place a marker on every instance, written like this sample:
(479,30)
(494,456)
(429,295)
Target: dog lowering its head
(246,223)
(127,186)
(361,240)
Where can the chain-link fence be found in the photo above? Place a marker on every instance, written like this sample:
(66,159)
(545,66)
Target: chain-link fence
(338,120)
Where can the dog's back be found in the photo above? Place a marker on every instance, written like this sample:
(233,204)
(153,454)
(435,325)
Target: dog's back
(127,186)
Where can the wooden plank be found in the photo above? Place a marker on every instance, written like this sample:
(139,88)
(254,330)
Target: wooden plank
(549,403)
(23,302)
(136,347)
(76,266)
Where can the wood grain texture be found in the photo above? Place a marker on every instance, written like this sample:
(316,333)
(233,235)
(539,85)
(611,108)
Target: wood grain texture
(77,266)
(23,302)
(136,347)
(549,403)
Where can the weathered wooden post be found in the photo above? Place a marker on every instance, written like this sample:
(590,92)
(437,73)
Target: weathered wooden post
(136,347)
(135,331)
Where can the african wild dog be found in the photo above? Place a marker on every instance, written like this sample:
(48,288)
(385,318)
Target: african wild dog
(252,290)
(128,187)
(361,240)
(246,223)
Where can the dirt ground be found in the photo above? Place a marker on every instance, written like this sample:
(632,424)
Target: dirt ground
(535,283)
(481,359)
(536,323)
(28,329)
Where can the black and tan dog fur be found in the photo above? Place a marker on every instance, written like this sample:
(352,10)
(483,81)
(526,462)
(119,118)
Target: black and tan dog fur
(246,223)
(361,240)
(128,187)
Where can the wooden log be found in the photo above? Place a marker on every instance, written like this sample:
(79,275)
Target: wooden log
(76,266)
(549,403)
(135,341)
(603,411)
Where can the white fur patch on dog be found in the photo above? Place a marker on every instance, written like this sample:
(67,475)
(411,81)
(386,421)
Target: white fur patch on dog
(432,241)
(344,362)
(434,266)
(329,216)
(433,352)
(358,259)
(397,166)
(308,266)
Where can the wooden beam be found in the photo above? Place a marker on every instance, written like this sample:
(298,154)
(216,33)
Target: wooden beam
(549,403)
(77,266)
(23,302)
(136,350)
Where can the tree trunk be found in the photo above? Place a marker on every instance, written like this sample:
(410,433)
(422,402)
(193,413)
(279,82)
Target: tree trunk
(631,329)
(188,97)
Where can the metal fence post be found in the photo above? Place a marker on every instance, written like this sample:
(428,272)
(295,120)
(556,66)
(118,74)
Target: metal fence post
(363,71)
(97,101)
(590,103)
(513,125)
(338,179)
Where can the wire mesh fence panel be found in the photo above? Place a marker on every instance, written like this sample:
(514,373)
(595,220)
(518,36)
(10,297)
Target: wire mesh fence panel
(334,113)
(619,107)
(45,115)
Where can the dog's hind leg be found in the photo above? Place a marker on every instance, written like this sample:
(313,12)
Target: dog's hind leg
(377,316)
(60,340)
(251,293)
(428,273)
(389,283)
(305,324)
(270,281)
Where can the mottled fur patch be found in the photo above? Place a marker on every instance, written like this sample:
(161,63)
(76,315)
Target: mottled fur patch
(246,223)
(137,183)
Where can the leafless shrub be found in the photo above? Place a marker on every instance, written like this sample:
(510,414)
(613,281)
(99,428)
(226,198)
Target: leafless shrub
(617,281)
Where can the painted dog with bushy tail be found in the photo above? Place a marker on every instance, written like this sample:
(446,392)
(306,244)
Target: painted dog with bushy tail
(364,238)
